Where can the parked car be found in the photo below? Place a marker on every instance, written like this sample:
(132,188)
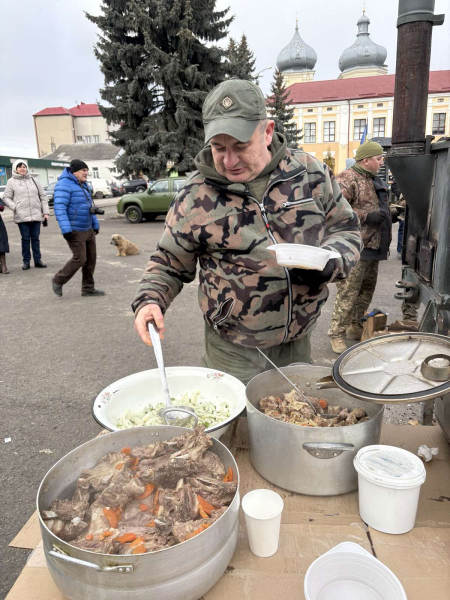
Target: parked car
(115,189)
(2,190)
(133,185)
(50,192)
(152,203)
(101,188)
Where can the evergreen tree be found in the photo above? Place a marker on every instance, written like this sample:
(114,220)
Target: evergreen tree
(281,113)
(241,61)
(159,63)
(328,159)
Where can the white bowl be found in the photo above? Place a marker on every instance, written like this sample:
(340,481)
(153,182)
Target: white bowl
(348,572)
(302,256)
(141,389)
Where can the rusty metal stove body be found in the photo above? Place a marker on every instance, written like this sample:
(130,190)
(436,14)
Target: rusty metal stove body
(422,171)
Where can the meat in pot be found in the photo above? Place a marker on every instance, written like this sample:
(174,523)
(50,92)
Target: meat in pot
(145,498)
(290,408)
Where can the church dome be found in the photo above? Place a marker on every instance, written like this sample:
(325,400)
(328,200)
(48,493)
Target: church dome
(297,56)
(363,53)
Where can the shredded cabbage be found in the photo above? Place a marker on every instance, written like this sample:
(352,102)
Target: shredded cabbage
(208,413)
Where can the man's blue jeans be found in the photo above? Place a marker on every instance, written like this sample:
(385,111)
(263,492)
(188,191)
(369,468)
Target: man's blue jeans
(30,231)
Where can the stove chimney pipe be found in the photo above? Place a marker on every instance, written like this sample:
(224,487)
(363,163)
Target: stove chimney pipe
(415,25)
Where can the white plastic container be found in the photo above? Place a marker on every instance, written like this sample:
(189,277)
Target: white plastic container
(348,572)
(389,481)
(262,509)
(302,256)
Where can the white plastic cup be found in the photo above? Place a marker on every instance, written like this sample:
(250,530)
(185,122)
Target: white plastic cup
(389,481)
(262,509)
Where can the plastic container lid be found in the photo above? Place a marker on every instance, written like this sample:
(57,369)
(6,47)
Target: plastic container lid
(389,466)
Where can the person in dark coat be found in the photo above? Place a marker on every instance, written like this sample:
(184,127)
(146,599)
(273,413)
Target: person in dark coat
(75,213)
(4,245)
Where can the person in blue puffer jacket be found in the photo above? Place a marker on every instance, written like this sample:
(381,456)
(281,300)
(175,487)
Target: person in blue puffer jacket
(75,213)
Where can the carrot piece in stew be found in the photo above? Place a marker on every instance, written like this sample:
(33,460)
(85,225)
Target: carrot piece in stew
(148,490)
(126,537)
(206,506)
(111,515)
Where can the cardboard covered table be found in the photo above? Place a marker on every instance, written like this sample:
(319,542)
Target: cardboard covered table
(310,526)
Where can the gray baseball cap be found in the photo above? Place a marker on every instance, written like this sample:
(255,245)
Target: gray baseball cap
(233,107)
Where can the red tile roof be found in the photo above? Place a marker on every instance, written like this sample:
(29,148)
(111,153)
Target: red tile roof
(378,86)
(85,110)
(81,110)
(54,110)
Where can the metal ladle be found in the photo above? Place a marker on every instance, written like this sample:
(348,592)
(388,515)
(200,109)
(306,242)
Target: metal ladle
(170,416)
(305,399)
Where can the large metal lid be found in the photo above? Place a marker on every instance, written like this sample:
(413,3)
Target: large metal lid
(387,369)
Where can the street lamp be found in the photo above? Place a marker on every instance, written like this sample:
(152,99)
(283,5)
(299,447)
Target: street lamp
(266,69)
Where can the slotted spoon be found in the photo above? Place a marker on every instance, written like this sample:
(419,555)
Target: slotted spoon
(170,416)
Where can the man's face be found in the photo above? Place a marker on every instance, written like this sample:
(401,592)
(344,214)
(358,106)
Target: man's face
(242,161)
(373,164)
(81,175)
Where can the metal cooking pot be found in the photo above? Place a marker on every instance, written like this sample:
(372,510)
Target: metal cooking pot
(186,571)
(315,461)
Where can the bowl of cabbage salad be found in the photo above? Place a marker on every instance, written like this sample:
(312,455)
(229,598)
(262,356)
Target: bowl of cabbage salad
(135,400)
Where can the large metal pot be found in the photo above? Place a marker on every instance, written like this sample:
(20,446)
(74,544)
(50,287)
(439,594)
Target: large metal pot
(316,461)
(186,571)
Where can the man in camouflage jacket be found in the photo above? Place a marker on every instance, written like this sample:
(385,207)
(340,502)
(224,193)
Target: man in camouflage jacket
(249,192)
(367,195)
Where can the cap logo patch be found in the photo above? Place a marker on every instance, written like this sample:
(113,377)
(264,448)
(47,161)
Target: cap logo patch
(227,102)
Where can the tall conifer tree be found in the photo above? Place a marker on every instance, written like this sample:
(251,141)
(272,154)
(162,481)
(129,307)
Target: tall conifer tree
(281,112)
(241,60)
(158,70)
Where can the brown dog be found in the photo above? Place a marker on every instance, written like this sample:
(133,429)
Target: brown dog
(124,246)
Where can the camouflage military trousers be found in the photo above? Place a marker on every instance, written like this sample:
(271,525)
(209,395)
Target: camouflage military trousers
(244,363)
(409,311)
(353,297)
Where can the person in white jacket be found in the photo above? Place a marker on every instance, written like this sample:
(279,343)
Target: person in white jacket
(26,198)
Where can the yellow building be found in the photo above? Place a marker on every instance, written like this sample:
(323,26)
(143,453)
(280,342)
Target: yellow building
(334,113)
(82,124)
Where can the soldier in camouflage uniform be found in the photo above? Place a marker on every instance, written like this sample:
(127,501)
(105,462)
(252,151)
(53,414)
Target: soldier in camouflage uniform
(249,192)
(367,195)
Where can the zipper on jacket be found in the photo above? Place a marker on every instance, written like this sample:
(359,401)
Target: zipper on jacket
(224,318)
(296,202)
(286,270)
(288,277)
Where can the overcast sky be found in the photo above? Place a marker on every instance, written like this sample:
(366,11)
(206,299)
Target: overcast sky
(50,60)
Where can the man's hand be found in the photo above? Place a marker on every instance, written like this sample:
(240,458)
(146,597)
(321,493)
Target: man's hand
(312,277)
(96,231)
(394,215)
(147,314)
(67,236)
(375,218)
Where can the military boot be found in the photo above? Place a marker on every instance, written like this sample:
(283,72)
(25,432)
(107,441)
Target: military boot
(338,345)
(354,332)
